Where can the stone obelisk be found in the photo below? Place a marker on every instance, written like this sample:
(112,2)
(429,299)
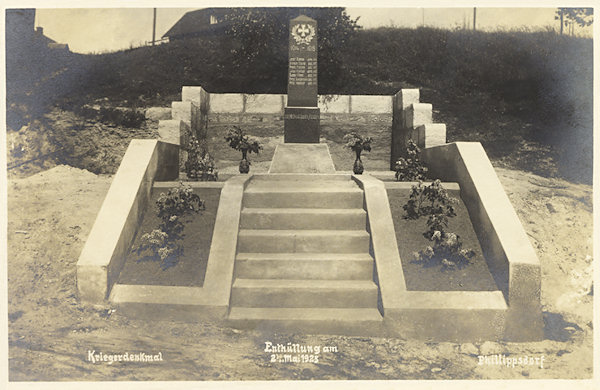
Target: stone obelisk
(301,116)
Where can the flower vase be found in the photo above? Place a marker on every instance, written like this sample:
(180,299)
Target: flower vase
(358,167)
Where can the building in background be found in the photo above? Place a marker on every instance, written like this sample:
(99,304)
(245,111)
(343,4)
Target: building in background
(21,32)
(208,22)
(199,23)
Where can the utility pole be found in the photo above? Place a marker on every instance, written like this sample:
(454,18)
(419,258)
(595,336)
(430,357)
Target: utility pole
(561,21)
(474,18)
(154,28)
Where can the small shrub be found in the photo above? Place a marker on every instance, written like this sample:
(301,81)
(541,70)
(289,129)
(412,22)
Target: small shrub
(164,243)
(410,168)
(446,250)
(430,200)
(199,164)
(130,117)
(157,245)
(414,207)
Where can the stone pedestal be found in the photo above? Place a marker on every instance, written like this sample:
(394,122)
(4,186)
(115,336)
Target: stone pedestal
(302,158)
(301,125)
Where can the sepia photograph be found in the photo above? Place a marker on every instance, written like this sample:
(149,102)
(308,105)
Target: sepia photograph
(219,194)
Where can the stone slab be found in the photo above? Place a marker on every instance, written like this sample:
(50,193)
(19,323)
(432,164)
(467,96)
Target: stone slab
(374,104)
(292,241)
(158,113)
(334,321)
(171,130)
(264,104)
(311,197)
(504,242)
(418,114)
(168,161)
(334,104)
(221,258)
(431,134)
(303,218)
(383,242)
(405,98)
(301,125)
(196,95)
(172,303)
(302,158)
(402,101)
(456,316)
(286,293)
(181,111)
(117,222)
(339,266)
(227,103)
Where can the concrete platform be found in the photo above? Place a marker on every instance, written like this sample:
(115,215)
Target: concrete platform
(302,158)
(307,261)
(337,321)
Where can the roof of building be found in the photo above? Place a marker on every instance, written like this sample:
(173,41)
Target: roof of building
(193,22)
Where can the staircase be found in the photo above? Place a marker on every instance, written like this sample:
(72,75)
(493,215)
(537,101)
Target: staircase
(303,259)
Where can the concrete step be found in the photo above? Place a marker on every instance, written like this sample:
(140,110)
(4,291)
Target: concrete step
(325,197)
(301,185)
(335,321)
(300,218)
(341,266)
(306,177)
(293,241)
(303,293)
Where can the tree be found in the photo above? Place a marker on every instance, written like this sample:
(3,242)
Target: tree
(260,38)
(569,16)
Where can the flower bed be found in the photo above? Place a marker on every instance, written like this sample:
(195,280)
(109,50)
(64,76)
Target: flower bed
(409,235)
(191,266)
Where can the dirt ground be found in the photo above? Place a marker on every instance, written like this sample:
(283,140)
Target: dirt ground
(51,333)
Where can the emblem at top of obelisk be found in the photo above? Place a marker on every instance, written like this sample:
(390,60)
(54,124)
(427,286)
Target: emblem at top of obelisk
(303,33)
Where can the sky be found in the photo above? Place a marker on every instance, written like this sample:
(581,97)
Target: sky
(96,30)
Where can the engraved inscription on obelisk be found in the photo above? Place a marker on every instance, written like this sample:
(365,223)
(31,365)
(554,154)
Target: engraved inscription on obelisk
(301,117)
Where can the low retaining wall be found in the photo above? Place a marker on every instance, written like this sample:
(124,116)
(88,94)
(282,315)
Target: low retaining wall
(435,315)
(230,108)
(507,249)
(239,103)
(121,213)
(384,247)
(211,301)
(393,119)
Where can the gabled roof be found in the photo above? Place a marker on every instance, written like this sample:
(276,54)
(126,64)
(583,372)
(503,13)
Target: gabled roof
(194,21)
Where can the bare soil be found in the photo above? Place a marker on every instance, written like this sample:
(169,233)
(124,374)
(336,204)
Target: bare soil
(50,331)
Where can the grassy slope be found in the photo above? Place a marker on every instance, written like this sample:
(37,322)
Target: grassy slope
(526,96)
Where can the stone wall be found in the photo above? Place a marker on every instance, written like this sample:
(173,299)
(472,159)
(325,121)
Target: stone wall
(389,120)
(243,108)
(413,120)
